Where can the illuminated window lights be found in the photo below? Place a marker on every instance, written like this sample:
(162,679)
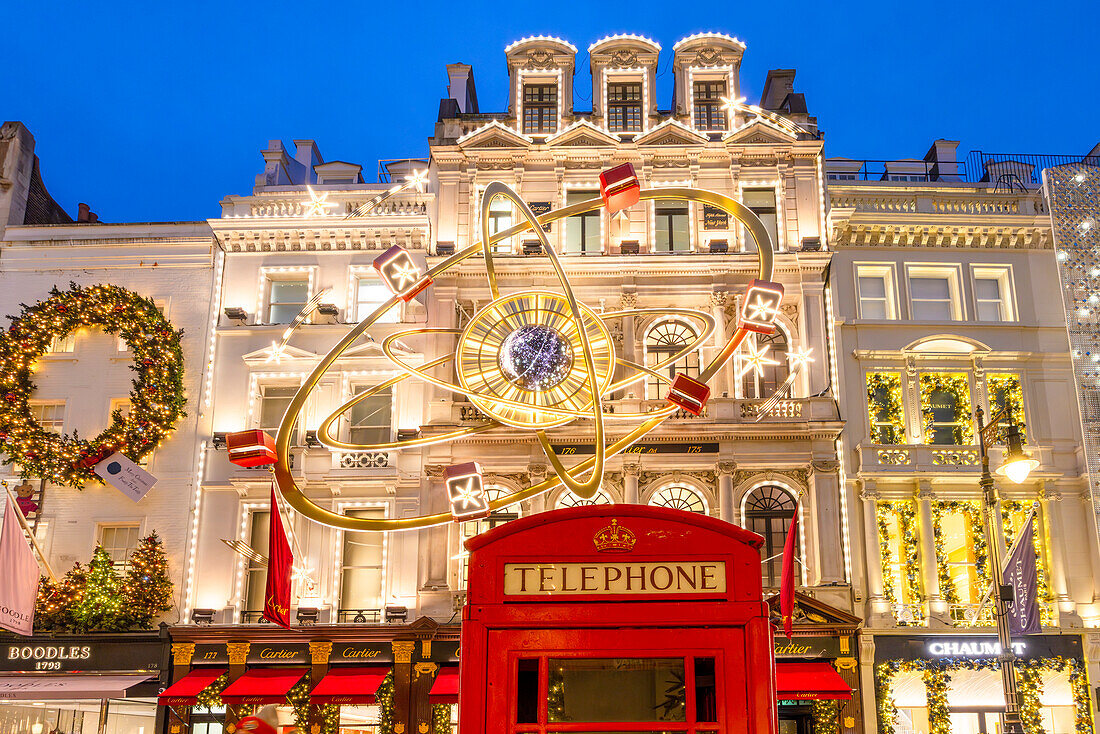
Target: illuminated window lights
(712,35)
(338,551)
(475,207)
(625,37)
(541,75)
(215,313)
(692,234)
(247,510)
(638,72)
(822,217)
(780,227)
(581,185)
(543,39)
(193,541)
(709,72)
(803,531)
(254,380)
(265,278)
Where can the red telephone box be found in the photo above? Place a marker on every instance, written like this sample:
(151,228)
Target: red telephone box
(615,619)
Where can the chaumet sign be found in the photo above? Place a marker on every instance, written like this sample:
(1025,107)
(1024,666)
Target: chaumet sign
(970,648)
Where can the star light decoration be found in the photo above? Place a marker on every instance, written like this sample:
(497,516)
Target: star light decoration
(756,359)
(400,273)
(466,489)
(317,206)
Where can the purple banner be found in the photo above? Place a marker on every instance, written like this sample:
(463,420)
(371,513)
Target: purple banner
(1020,574)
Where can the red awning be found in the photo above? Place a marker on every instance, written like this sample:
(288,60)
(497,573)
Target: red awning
(445,686)
(349,685)
(263,685)
(185,691)
(813,680)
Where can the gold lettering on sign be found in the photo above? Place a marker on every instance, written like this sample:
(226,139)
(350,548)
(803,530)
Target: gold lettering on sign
(351,652)
(573,579)
(269,653)
(792,649)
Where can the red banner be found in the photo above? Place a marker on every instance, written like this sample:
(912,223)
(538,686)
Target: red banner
(786,583)
(279,563)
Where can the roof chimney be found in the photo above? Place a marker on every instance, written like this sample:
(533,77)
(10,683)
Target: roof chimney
(460,86)
(942,155)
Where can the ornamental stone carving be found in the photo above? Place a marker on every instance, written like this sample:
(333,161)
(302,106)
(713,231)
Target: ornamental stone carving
(708,56)
(403,651)
(727,468)
(825,466)
(319,651)
(623,58)
(182,652)
(238,652)
(434,471)
(719,298)
(790,310)
(628,300)
(539,59)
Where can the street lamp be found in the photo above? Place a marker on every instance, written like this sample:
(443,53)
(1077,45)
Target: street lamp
(1016,466)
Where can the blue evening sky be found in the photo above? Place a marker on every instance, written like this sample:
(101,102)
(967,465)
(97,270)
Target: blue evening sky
(155,111)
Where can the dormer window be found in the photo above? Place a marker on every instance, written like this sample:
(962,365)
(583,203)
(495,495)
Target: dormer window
(624,107)
(540,108)
(707,104)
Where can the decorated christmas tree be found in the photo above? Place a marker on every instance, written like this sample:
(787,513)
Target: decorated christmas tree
(101,606)
(53,607)
(147,589)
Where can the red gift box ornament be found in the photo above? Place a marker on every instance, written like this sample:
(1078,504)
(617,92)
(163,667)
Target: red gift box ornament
(466,489)
(400,273)
(251,448)
(90,458)
(619,187)
(689,394)
(761,306)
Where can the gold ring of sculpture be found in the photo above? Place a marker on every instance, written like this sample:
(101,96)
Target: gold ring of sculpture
(596,388)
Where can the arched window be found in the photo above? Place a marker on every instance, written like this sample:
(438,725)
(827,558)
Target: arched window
(679,497)
(763,382)
(665,339)
(568,499)
(767,511)
(477,527)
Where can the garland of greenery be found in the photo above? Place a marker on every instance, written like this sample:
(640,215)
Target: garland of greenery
(156,402)
(441,718)
(890,410)
(1029,690)
(958,385)
(383,697)
(1010,509)
(211,696)
(972,512)
(826,715)
(1007,387)
(298,696)
(906,514)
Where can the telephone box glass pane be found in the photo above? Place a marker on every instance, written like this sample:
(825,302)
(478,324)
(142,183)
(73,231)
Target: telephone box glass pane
(527,692)
(706,692)
(646,689)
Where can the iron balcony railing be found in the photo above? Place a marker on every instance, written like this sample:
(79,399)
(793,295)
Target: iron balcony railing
(1004,171)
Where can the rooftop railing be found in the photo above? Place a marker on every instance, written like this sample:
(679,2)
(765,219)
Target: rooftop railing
(1002,171)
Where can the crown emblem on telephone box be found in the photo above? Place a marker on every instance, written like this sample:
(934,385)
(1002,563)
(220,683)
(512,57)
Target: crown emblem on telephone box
(614,539)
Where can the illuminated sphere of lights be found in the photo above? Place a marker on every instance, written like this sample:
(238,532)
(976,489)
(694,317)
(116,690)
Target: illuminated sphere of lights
(530,360)
(535,357)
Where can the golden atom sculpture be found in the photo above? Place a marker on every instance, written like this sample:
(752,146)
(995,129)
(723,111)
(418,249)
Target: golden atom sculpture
(531,360)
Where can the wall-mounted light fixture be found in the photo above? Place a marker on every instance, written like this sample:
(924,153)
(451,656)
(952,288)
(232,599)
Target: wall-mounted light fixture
(218,440)
(236,313)
(203,616)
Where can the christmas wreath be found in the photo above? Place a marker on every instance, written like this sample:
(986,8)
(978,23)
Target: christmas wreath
(156,402)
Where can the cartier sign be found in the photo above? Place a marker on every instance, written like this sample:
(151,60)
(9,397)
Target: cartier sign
(594,579)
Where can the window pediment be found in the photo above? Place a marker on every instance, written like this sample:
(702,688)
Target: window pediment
(759,131)
(494,135)
(671,132)
(581,133)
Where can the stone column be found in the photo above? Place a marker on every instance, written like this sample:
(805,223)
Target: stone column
(873,552)
(179,717)
(403,713)
(630,483)
(727,509)
(720,385)
(319,653)
(826,531)
(930,578)
(1054,539)
(536,473)
(238,658)
(627,301)
(433,551)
